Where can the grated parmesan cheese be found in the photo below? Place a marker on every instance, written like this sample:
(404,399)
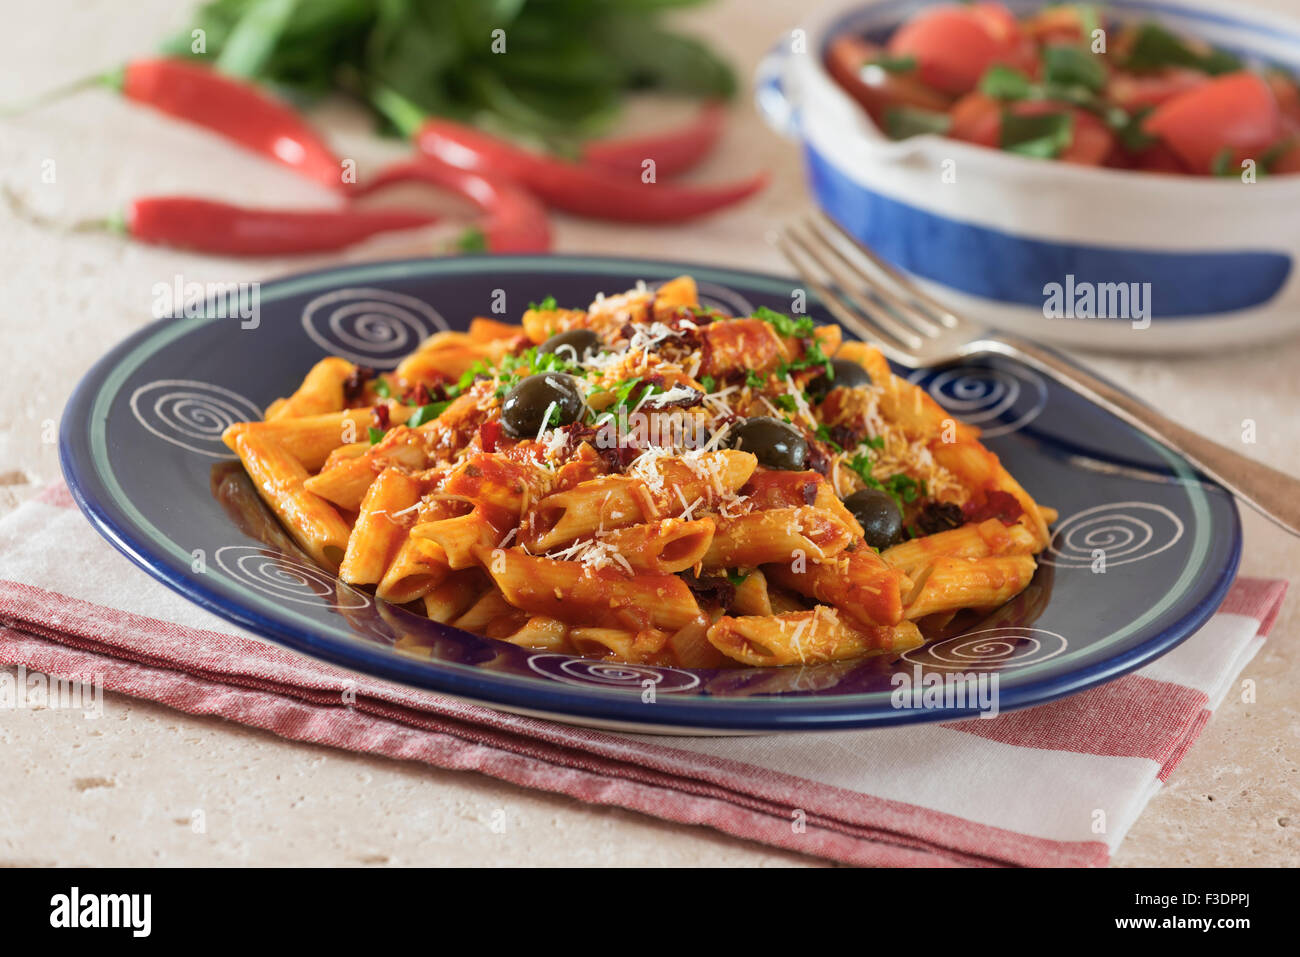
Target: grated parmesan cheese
(593,553)
(675,394)
(552,442)
(801,404)
(546,419)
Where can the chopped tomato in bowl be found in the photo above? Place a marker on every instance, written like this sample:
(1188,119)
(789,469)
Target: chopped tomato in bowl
(1063,83)
(1033,128)
(952,46)
(1234,116)
(1000,150)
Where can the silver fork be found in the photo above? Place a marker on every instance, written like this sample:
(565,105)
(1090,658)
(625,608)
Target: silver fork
(881,305)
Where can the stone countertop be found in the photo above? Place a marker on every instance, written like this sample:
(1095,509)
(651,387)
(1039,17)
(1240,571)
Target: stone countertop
(122,790)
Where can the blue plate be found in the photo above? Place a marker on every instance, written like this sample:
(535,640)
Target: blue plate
(1143,552)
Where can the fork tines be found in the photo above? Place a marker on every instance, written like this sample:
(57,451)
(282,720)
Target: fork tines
(865,293)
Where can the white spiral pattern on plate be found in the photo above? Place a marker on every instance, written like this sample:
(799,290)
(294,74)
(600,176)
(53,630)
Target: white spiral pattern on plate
(1123,532)
(288,579)
(190,413)
(991,649)
(719,297)
(997,400)
(370,326)
(589,672)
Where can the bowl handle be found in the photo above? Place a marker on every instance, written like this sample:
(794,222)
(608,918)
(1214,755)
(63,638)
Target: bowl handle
(770,91)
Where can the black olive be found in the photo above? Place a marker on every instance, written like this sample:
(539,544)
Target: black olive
(777,444)
(527,403)
(878,514)
(572,345)
(848,375)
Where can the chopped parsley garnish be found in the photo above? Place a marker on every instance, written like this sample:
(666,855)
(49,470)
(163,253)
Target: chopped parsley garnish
(812,356)
(479,369)
(786,403)
(709,383)
(623,391)
(1006,83)
(623,397)
(512,369)
(1073,76)
(472,240)
(754,380)
(546,305)
(1073,66)
(1089,19)
(1074,82)
(1221,165)
(1128,127)
(823,434)
(902,122)
(1274,153)
(902,488)
(427,413)
(905,488)
(382,388)
(893,64)
(1155,47)
(375,434)
(735,577)
(800,328)
(862,465)
(1043,135)
(551,362)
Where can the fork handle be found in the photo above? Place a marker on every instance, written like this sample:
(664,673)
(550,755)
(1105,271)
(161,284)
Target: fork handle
(1272,493)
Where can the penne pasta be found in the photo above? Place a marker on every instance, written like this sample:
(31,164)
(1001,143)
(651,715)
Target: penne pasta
(378,532)
(662,548)
(859,582)
(952,583)
(806,637)
(280,479)
(321,391)
(660,489)
(665,484)
(347,482)
(540,632)
(452,597)
(778,535)
(570,592)
(459,538)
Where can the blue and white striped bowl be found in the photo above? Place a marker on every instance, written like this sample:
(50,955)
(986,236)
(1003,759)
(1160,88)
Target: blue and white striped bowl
(993,236)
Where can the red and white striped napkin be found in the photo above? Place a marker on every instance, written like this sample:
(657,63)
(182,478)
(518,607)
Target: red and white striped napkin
(1055,785)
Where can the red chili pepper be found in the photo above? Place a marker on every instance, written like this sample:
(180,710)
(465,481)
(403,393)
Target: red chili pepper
(673,152)
(213,227)
(514,221)
(575,187)
(226,106)
(235,110)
